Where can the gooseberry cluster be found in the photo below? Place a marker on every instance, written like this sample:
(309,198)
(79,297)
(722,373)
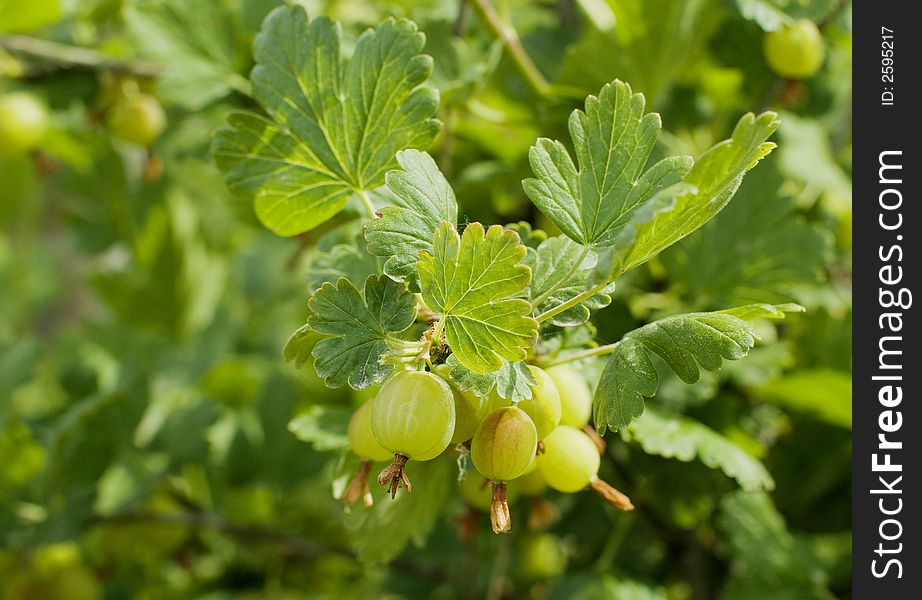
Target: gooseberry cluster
(514,447)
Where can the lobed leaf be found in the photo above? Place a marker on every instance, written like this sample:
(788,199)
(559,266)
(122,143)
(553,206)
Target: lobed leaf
(360,327)
(685,439)
(557,260)
(513,381)
(712,182)
(474,282)
(423,199)
(334,124)
(684,343)
(597,198)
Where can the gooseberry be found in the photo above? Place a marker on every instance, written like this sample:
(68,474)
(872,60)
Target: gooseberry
(413,417)
(571,461)
(795,51)
(138,119)
(502,449)
(23,122)
(467,407)
(544,405)
(575,397)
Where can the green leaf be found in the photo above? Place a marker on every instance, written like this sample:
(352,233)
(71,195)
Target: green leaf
(769,562)
(652,43)
(361,327)
(773,14)
(684,342)
(825,393)
(423,200)
(324,427)
(17,16)
(613,138)
(342,260)
(756,250)
(334,125)
(299,345)
(196,41)
(557,260)
(22,457)
(685,439)
(385,530)
(715,178)
(473,281)
(513,381)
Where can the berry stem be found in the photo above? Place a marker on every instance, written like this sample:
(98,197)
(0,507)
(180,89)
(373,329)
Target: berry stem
(358,487)
(393,476)
(611,495)
(499,509)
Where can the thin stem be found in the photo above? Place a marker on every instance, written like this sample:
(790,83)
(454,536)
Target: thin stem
(372,213)
(572,302)
(75,56)
(582,354)
(560,282)
(508,36)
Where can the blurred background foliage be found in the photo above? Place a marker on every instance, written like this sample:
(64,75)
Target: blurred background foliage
(145,445)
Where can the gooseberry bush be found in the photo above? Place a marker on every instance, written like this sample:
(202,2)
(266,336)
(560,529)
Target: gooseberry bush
(536,263)
(456,321)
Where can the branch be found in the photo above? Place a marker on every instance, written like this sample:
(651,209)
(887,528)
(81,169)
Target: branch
(508,36)
(67,56)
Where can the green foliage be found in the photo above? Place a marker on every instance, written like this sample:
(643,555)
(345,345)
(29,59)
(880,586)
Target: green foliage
(769,562)
(384,531)
(685,343)
(17,18)
(315,150)
(685,439)
(360,328)
(607,191)
(472,281)
(424,199)
(512,381)
(153,441)
(714,179)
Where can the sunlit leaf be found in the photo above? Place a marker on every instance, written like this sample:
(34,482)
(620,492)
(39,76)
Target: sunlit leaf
(334,125)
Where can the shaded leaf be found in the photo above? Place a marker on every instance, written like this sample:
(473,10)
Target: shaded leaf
(385,530)
(685,439)
(360,326)
(557,260)
(423,199)
(324,427)
(513,381)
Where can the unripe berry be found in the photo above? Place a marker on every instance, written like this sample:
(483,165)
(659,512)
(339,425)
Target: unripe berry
(571,461)
(504,444)
(361,438)
(413,416)
(467,407)
(575,397)
(795,51)
(544,405)
(540,556)
(138,119)
(502,449)
(23,123)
